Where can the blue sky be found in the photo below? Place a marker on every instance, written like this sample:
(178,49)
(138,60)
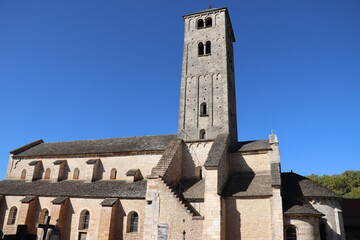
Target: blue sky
(74,70)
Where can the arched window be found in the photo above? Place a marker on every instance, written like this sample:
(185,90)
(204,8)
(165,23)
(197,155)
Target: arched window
(208,47)
(47,173)
(113,173)
(12,216)
(208,22)
(291,233)
(202,134)
(44,213)
(133,222)
(200,23)
(23,174)
(76,173)
(203,109)
(322,230)
(201,49)
(84,220)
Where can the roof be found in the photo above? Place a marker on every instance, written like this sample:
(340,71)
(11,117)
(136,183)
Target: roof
(249,185)
(132,172)
(74,188)
(296,185)
(292,206)
(28,199)
(100,146)
(108,202)
(217,150)
(295,190)
(59,200)
(194,190)
(246,146)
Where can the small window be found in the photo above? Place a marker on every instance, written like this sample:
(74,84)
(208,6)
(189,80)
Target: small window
(113,174)
(200,23)
(12,216)
(76,174)
(23,175)
(201,49)
(133,222)
(203,109)
(44,213)
(208,47)
(291,233)
(47,173)
(84,220)
(208,22)
(202,134)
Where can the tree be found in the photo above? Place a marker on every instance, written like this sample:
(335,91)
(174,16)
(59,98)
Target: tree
(346,184)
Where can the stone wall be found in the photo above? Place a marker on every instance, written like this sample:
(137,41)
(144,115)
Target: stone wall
(163,207)
(307,227)
(248,219)
(122,164)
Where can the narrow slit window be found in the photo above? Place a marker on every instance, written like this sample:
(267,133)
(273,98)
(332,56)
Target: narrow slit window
(76,174)
(200,23)
(202,134)
(208,22)
(203,109)
(23,174)
(208,47)
(201,49)
(47,173)
(113,174)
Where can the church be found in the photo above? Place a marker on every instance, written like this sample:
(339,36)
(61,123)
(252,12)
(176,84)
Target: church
(201,183)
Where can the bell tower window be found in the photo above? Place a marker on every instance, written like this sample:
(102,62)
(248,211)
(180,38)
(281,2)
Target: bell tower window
(208,47)
(203,109)
(208,22)
(200,23)
(201,49)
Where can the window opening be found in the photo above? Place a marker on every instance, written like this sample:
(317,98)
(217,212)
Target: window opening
(76,173)
(12,216)
(113,174)
(47,173)
(134,222)
(202,134)
(44,213)
(201,49)
(200,23)
(203,109)
(208,47)
(291,233)
(23,174)
(84,220)
(208,22)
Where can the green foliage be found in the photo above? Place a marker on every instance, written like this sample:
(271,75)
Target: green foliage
(346,184)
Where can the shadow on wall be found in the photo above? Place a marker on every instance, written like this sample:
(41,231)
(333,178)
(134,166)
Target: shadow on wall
(233,220)
(119,217)
(100,171)
(66,221)
(189,167)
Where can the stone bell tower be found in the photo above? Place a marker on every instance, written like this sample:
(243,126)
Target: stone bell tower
(207,98)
